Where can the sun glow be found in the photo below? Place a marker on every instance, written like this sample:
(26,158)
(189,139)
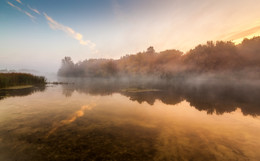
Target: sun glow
(238,41)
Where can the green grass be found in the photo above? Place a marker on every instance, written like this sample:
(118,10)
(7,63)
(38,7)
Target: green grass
(20,79)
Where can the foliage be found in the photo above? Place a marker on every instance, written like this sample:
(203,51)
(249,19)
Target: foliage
(215,58)
(15,79)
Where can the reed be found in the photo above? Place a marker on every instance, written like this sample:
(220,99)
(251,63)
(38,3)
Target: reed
(17,79)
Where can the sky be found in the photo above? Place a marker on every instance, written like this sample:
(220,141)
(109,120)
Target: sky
(37,34)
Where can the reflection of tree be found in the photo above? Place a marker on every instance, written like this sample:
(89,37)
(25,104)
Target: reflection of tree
(20,92)
(214,97)
(68,91)
(167,97)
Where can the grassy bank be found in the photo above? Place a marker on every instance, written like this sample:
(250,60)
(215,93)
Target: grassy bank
(18,79)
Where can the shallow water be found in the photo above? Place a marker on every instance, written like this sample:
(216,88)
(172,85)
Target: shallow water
(109,121)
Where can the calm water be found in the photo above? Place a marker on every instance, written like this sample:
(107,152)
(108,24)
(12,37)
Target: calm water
(104,120)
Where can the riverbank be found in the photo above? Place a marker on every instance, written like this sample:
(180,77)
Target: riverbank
(8,80)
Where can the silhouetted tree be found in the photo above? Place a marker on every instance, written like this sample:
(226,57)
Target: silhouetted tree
(216,58)
(150,50)
(67,67)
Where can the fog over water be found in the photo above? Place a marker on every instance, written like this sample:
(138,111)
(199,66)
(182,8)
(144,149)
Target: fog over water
(211,95)
(221,60)
(106,119)
(130,80)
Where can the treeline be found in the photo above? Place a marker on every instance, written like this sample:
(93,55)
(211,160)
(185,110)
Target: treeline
(219,57)
(15,79)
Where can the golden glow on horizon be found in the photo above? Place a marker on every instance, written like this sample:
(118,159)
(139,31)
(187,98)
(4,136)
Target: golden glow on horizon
(238,41)
(242,32)
(120,29)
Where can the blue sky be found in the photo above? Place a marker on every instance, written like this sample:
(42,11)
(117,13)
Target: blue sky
(37,34)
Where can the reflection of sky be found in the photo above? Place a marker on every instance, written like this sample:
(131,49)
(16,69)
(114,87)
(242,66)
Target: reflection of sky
(177,130)
(112,28)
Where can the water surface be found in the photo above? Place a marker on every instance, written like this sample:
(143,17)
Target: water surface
(113,121)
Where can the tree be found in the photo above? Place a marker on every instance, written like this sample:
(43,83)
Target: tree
(150,50)
(67,67)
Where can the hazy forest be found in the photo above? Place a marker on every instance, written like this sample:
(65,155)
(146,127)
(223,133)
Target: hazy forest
(211,59)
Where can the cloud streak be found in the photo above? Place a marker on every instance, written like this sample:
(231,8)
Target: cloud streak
(244,33)
(28,14)
(19,1)
(69,31)
(19,9)
(56,26)
(34,10)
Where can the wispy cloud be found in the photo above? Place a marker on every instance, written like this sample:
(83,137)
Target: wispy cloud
(57,26)
(238,36)
(28,14)
(19,9)
(19,1)
(244,33)
(34,10)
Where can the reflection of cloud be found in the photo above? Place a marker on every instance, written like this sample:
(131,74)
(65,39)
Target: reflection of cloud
(71,119)
(34,10)
(57,26)
(19,9)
